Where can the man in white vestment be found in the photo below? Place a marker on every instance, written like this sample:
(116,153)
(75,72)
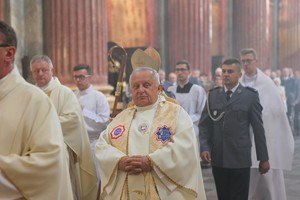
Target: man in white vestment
(278,133)
(82,169)
(191,97)
(94,104)
(149,150)
(32,152)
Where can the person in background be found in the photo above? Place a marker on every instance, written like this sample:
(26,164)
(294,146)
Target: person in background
(150,143)
(278,133)
(297,74)
(32,152)
(173,78)
(194,77)
(203,77)
(274,75)
(94,104)
(166,84)
(225,134)
(82,170)
(292,90)
(190,96)
(218,71)
(218,81)
(297,104)
(162,77)
(268,72)
(278,73)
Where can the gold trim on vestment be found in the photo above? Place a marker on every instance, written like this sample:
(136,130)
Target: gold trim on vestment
(165,115)
(189,190)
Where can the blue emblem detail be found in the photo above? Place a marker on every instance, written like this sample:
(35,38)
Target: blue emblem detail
(118,131)
(164,134)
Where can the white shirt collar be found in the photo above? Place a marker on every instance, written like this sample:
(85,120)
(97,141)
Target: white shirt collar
(232,89)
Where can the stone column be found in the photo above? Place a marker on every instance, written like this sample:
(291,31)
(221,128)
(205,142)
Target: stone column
(190,33)
(253,28)
(75,32)
(288,36)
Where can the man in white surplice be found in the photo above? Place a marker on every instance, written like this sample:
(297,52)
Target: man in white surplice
(94,104)
(191,97)
(278,133)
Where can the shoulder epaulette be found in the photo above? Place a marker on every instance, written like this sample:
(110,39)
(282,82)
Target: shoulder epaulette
(251,89)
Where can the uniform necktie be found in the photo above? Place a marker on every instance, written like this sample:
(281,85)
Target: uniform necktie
(228,93)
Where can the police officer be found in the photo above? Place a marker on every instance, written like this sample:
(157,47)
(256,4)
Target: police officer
(225,133)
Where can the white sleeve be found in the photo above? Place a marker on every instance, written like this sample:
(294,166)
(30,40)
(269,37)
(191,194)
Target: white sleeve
(8,190)
(102,108)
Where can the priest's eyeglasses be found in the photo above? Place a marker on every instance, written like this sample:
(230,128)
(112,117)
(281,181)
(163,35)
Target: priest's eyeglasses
(80,77)
(43,70)
(247,61)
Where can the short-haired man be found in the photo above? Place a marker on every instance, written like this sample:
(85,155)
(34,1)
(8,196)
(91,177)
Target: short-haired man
(94,104)
(146,148)
(173,78)
(190,96)
(82,170)
(278,133)
(225,133)
(32,152)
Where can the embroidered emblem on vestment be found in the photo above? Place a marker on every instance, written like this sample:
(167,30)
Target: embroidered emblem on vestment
(117,132)
(143,128)
(163,134)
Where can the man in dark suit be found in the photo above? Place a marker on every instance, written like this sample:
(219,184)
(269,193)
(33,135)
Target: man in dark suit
(225,133)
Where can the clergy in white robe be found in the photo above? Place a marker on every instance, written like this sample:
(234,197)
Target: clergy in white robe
(279,137)
(82,169)
(32,152)
(95,111)
(94,105)
(149,150)
(190,96)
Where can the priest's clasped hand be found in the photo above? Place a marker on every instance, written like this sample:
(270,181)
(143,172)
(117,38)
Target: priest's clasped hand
(134,165)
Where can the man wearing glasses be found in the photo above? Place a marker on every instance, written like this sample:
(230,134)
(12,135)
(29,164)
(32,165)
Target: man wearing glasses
(95,107)
(190,96)
(82,169)
(278,133)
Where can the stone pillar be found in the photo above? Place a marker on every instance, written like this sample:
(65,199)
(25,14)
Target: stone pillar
(75,32)
(1,10)
(26,19)
(221,32)
(253,28)
(190,33)
(289,31)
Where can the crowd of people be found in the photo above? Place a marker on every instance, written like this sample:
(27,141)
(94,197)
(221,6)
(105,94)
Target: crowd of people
(60,144)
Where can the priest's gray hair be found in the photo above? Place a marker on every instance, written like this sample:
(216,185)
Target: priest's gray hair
(140,69)
(41,58)
(248,51)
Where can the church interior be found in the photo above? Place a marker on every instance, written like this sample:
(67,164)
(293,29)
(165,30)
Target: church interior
(201,31)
